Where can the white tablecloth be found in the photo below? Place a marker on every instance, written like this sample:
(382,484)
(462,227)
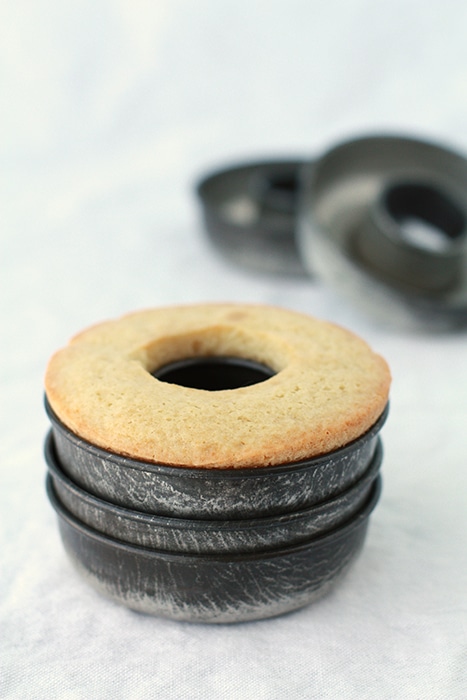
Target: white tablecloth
(110,111)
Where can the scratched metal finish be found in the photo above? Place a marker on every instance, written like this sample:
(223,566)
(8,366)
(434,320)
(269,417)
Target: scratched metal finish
(202,536)
(214,588)
(212,493)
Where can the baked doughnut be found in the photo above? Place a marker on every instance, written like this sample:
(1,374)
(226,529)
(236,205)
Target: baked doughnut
(327,386)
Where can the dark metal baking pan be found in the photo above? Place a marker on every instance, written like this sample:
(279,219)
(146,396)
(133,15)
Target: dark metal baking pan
(212,493)
(250,214)
(384,220)
(213,588)
(202,536)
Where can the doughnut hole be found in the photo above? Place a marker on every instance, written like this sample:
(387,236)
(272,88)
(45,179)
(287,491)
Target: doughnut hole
(215,359)
(214,373)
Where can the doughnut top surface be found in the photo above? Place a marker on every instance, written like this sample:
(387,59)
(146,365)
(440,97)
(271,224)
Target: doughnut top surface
(328,389)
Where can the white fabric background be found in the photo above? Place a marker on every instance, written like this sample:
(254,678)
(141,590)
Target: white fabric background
(110,110)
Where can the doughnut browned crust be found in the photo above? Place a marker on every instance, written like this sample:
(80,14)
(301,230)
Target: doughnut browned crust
(329,387)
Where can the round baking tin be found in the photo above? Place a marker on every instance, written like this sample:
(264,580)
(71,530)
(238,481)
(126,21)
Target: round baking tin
(202,536)
(384,220)
(250,215)
(211,493)
(414,235)
(213,588)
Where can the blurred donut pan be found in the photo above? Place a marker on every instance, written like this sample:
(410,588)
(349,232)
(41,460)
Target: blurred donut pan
(382,219)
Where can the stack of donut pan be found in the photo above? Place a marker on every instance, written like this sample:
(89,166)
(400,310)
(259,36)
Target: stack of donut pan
(207,545)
